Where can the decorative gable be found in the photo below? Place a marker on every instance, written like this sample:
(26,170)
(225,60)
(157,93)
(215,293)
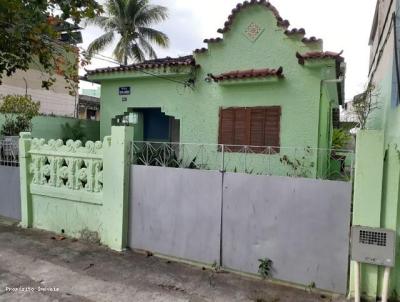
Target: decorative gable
(253,31)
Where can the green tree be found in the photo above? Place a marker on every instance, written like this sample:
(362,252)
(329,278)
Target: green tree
(130,21)
(19,110)
(30,32)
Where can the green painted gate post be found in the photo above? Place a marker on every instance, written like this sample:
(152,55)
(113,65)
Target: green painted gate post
(367,198)
(116,165)
(25,179)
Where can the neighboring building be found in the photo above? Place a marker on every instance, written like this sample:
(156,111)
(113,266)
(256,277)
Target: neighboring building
(55,101)
(89,104)
(377,174)
(383,69)
(261,84)
(347,114)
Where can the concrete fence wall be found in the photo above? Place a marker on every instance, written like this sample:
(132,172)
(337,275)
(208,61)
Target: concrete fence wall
(51,127)
(235,219)
(77,190)
(10,200)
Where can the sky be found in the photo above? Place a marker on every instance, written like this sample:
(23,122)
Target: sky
(342,24)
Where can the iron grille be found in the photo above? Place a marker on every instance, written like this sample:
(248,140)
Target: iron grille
(372,238)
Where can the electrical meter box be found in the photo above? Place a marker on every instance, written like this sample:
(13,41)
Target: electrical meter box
(373,245)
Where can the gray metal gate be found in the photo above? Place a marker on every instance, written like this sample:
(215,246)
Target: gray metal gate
(234,219)
(10,201)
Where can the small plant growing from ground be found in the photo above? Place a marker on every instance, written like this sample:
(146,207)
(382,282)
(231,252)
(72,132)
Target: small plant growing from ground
(310,287)
(215,266)
(265,268)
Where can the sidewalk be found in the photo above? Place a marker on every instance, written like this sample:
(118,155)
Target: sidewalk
(35,267)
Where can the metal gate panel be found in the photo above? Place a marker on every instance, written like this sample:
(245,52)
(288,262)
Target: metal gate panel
(302,225)
(176,212)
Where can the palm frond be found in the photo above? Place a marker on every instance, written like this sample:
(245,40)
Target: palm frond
(136,53)
(147,48)
(106,23)
(151,14)
(154,36)
(100,43)
(116,8)
(120,51)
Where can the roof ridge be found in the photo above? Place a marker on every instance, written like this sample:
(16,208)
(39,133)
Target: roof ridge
(187,60)
(248,74)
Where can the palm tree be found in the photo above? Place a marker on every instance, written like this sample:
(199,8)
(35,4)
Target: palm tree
(130,21)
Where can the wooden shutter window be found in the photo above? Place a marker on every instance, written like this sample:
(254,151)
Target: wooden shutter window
(259,126)
(226,126)
(273,126)
(240,127)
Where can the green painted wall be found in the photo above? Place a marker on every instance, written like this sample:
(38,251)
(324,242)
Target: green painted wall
(299,94)
(49,127)
(377,203)
(367,196)
(80,191)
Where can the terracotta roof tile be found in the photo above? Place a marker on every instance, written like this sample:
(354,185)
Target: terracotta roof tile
(148,64)
(213,40)
(311,40)
(200,50)
(295,31)
(280,21)
(319,55)
(248,74)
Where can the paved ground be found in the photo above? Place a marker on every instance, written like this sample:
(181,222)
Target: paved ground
(35,267)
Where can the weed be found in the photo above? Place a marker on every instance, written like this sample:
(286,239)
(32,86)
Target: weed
(265,268)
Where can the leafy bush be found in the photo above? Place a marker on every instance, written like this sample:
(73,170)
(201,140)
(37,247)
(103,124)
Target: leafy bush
(340,138)
(19,111)
(74,132)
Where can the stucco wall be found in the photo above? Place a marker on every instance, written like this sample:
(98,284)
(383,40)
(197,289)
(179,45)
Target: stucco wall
(86,193)
(198,109)
(376,197)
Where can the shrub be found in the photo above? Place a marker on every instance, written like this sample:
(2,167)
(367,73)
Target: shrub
(340,138)
(74,132)
(19,111)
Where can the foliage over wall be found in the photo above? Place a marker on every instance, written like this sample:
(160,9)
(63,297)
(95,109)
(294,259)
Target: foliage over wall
(18,112)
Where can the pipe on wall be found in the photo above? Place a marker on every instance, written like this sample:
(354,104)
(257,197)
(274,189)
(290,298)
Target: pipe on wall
(357,277)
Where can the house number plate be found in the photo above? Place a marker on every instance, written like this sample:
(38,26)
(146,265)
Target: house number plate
(124,90)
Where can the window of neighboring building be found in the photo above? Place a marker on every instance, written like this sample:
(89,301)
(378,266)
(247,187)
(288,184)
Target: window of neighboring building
(257,126)
(91,114)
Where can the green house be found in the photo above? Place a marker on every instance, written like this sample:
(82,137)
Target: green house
(261,85)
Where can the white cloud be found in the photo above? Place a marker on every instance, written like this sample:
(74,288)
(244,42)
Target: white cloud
(342,24)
